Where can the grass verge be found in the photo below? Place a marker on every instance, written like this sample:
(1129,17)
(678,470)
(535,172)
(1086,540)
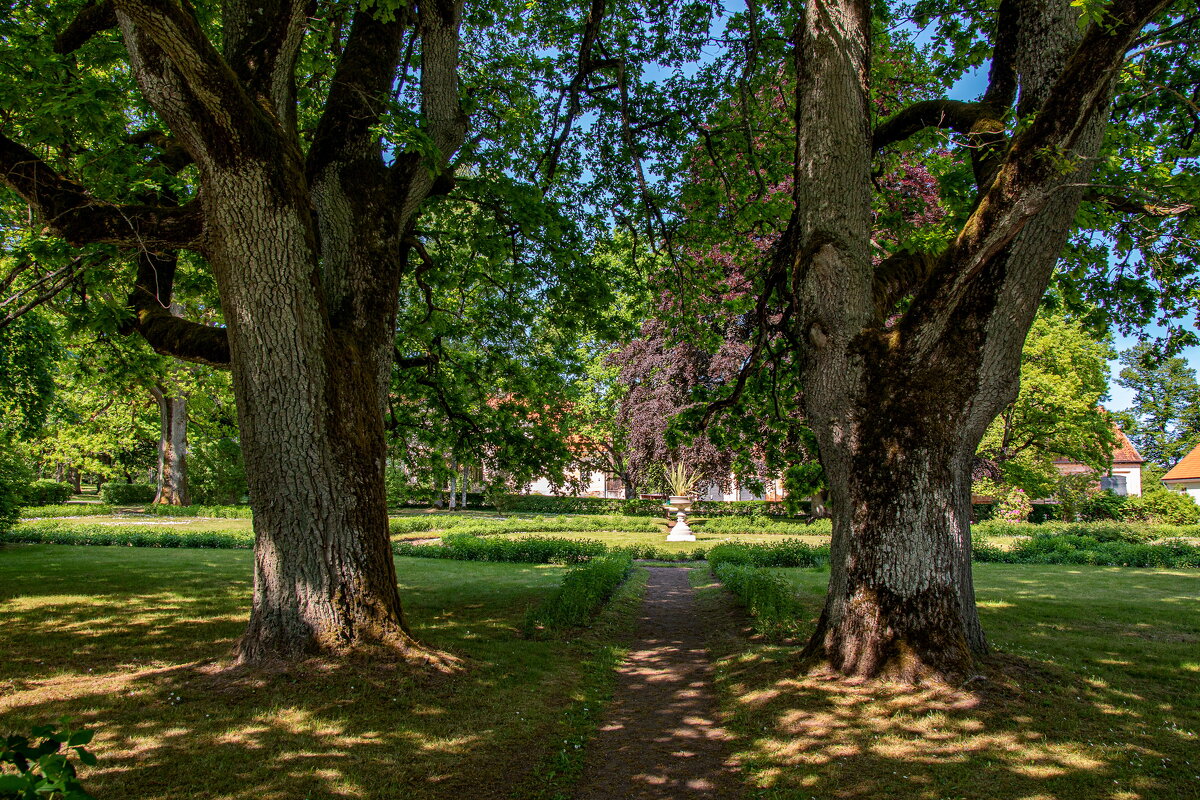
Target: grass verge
(128,641)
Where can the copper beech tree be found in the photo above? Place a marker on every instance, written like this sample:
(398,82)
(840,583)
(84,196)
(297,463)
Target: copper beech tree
(905,362)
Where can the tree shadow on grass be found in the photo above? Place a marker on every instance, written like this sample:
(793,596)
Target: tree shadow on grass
(173,722)
(1050,723)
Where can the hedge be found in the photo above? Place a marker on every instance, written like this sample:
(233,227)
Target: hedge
(55,532)
(68,510)
(584,590)
(127,494)
(525,550)
(786,553)
(1068,549)
(1106,531)
(46,492)
(221,512)
(769,598)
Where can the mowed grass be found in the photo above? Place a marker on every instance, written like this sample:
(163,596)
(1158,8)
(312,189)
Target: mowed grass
(1092,693)
(131,643)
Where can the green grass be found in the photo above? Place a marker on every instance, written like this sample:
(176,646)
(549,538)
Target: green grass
(128,641)
(1092,694)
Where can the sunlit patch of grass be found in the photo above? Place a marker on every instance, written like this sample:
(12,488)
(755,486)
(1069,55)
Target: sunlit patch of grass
(133,643)
(1091,695)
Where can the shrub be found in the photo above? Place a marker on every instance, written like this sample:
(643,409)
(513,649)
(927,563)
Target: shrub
(55,532)
(14,475)
(126,494)
(220,512)
(1102,506)
(44,770)
(1068,549)
(786,553)
(761,524)
(69,510)
(216,473)
(769,598)
(583,591)
(1104,531)
(1162,506)
(1011,502)
(46,492)
(525,550)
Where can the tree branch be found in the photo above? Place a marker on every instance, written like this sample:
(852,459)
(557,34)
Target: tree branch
(94,17)
(162,330)
(67,208)
(359,92)
(956,115)
(1127,205)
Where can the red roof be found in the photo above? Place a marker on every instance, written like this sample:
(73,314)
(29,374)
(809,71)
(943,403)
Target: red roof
(1188,467)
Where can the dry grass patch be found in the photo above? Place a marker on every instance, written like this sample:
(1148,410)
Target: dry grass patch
(1091,695)
(132,642)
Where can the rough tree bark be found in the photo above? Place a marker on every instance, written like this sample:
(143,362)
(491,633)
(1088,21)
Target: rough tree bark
(899,404)
(172,448)
(306,251)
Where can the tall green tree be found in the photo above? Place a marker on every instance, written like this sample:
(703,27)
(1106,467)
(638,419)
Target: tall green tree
(1057,412)
(290,148)
(1164,420)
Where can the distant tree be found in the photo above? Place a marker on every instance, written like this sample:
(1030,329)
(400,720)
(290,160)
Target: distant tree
(1164,420)
(1056,414)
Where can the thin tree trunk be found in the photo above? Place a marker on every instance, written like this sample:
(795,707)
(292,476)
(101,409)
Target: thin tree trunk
(172,449)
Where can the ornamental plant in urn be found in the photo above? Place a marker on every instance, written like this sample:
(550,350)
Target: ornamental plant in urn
(681,483)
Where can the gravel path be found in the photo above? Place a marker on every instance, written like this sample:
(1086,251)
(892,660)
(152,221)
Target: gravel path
(660,738)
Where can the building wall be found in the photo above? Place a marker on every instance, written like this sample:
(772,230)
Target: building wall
(1133,478)
(1191,487)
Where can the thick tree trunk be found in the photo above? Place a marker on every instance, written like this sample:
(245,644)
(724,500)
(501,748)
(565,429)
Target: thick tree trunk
(172,449)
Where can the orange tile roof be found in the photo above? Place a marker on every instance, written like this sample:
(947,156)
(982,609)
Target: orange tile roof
(1123,453)
(1188,467)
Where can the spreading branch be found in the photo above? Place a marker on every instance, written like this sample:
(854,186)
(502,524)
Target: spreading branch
(166,333)
(93,18)
(69,210)
(1128,205)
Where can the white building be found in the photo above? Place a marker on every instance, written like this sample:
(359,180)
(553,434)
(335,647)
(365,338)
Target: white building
(1185,476)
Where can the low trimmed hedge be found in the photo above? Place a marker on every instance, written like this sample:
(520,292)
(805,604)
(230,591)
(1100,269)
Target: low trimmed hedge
(584,590)
(55,532)
(220,512)
(127,494)
(786,553)
(1068,549)
(46,492)
(1105,531)
(68,510)
(769,598)
(523,550)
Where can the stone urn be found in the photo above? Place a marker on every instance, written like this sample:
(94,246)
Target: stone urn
(680,532)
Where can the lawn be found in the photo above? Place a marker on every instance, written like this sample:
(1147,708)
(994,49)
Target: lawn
(130,642)
(1092,694)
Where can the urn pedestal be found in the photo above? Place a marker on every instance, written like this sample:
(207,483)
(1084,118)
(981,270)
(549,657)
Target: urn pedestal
(680,532)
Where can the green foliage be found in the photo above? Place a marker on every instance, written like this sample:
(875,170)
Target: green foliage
(69,510)
(549,504)
(59,532)
(216,474)
(1103,506)
(14,477)
(770,598)
(1010,502)
(1073,493)
(220,512)
(28,349)
(44,771)
(583,592)
(787,553)
(126,494)
(1071,549)
(1064,377)
(1133,532)
(1164,420)
(1162,506)
(761,524)
(43,492)
(680,480)
(523,550)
